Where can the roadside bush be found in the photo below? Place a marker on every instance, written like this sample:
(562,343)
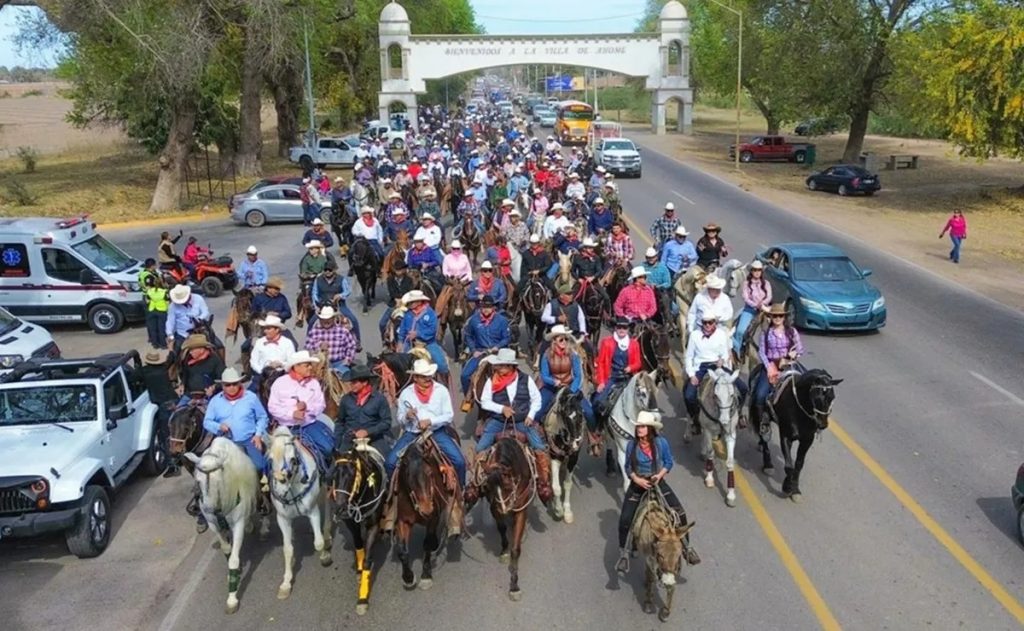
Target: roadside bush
(5,95)
(28,157)
(19,195)
(892,123)
(29,93)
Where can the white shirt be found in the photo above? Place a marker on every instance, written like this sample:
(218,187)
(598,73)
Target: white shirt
(548,317)
(455,172)
(487,399)
(575,188)
(373,233)
(700,349)
(437,410)
(264,353)
(431,236)
(553,225)
(702,303)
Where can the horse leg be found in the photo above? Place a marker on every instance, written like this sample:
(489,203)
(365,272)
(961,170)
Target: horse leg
(801,452)
(431,545)
(556,489)
(502,533)
(285,524)
(730,452)
(649,580)
(666,610)
(365,570)
(518,528)
(319,541)
(787,455)
(404,534)
(621,453)
(707,450)
(570,466)
(234,563)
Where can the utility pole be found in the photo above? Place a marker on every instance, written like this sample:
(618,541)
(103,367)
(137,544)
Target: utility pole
(309,82)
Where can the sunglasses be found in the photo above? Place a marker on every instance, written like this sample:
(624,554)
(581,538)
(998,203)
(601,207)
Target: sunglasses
(777,317)
(707,322)
(559,339)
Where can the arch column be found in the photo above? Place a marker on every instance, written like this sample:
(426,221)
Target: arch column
(659,100)
(408,99)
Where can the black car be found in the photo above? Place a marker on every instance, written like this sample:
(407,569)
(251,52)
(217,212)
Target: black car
(845,179)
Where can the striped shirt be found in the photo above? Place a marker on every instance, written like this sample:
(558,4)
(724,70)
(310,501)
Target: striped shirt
(340,342)
(619,250)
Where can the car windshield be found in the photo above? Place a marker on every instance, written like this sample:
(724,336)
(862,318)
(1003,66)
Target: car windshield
(7,322)
(49,404)
(104,254)
(825,269)
(619,145)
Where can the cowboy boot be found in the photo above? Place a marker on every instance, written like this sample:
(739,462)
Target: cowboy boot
(622,565)
(543,461)
(764,424)
(455,517)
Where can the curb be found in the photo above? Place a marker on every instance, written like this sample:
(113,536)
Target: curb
(166,220)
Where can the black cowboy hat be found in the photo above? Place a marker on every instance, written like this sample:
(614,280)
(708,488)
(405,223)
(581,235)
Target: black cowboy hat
(622,322)
(400,264)
(487,301)
(359,372)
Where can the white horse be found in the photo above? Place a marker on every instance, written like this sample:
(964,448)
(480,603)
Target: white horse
(227,480)
(636,396)
(515,264)
(296,491)
(733,272)
(719,414)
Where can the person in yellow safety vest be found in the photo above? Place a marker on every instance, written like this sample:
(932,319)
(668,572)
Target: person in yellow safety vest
(155,295)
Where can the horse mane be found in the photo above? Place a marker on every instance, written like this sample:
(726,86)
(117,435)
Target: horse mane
(231,477)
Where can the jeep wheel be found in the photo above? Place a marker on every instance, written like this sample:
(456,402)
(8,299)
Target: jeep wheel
(212,286)
(91,533)
(105,318)
(155,460)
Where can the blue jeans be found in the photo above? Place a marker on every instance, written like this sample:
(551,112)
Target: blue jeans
(762,387)
(547,398)
(255,455)
(690,391)
(339,368)
(493,427)
(467,371)
(954,254)
(345,311)
(746,317)
(553,270)
(378,247)
(156,324)
(444,442)
(310,212)
(383,323)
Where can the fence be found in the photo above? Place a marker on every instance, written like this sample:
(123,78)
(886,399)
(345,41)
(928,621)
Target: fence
(206,181)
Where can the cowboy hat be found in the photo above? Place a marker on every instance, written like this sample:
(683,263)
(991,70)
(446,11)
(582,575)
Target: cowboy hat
(487,301)
(708,316)
(534,238)
(598,200)
(339,179)
(557,206)
(515,213)
(712,227)
(637,272)
(557,331)
(398,211)
(155,356)
(486,265)
(507,202)
(318,222)
(315,243)
(681,231)
(588,242)
(393,195)
(276,282)
(430,193)
(504,357)
(196,340)
(650,253)
(427,217)
(756,264)
(670,206)
(574,175)
(272,320)
(714,282)
(251,250)
(423,368)
(180,294)
(358,372)
(231,375)
(600,169)
(414,296)
(368,210)
(326,313)
(456,244)
(779,308)
(647,418)
(621,322)
(301,357)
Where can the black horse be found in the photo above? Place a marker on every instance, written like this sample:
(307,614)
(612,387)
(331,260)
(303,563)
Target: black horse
(802,410)
(365,262)
(655,349)
(357,497)
(595,309)
(534,298)
(341,224)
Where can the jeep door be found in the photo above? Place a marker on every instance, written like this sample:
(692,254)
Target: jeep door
(119,437)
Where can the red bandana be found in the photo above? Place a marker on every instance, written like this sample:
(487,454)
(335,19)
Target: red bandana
(363,395)
(499,383)
(424,394)
(368,220)
(241,393)
(486,284)
(192,361)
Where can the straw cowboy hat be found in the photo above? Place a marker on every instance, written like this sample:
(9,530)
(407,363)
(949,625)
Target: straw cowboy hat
(318,222)
(423,368)
(756,264)
(557,206)
(155,356)
(180,294)
(327,313)
(196,340)
(393,195)
(557,331)
(301,357)
(647,419)
(427,217)
(504,357)
(651,252)
(515,213)
(712,227)
(231,375)
(779,308)
(414,296)
(637,272)
(276,282)
(682,231)
(714,282)
(315,243)
(507,202)
(272,320)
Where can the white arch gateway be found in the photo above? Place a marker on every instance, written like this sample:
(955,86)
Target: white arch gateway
(646,55)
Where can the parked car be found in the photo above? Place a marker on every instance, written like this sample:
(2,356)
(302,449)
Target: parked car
(619,155)
(816,127)
(272,204)
(771,148)
(845,179)
(392,135)
(328,152)
(1017,495)
(21,341)
(72,432)
(824,289)
(295,180)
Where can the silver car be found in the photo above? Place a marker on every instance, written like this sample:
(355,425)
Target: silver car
(270,204)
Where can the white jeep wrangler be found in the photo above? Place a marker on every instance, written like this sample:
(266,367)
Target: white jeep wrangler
(71,433)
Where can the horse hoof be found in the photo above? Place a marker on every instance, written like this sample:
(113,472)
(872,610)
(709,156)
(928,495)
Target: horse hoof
(505,558)
(409,586)
(362,609)
(326,561)
(663,614)
(284,592)
(768,468)
(709,481)
(649,608)
(426,583)
(730,501)
(515,595)
(569,518)
(796,497)
(231,608)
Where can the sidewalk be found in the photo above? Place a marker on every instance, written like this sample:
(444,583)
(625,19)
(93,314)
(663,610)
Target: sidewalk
(910,236)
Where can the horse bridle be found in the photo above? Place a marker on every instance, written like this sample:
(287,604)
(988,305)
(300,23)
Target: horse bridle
(289,498)
(357,512)
(815,412)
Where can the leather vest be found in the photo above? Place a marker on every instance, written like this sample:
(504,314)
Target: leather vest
(560,366)
(521,404)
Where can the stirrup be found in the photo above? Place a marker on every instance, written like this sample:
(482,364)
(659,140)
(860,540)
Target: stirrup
(622,565)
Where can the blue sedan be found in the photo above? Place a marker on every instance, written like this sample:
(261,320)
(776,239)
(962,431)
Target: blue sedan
(824,289)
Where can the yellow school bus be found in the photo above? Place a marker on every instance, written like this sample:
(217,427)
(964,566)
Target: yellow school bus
(572,123)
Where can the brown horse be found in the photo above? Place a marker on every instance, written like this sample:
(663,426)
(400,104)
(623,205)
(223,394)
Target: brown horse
(453,311)
(240,317)
(397,253)
(658,536)
(470,236)
(185,430)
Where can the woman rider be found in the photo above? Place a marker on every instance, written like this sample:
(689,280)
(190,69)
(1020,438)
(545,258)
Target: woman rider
(757,296)
(560,367)
(648,461)
(710,248)
(779,344)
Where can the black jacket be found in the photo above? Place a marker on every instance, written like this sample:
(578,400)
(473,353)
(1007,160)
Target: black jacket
(374,416)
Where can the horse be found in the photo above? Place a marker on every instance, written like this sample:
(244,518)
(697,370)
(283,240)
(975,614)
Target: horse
(357,498)
(469,234)
(395,254)
(330,382)
(801,408)
(748,358)
(595,309)
(506,479)
(733,272)
(565,429)
(366,264)
(453,311)
(240,317)
(718,416)
(185,430)
(658,536)
(614,280)
(687,286)
(341,225)
(564,266)
(531,304)
(638,394)
(227,480)
(655,350)
(363,195)
(305,312)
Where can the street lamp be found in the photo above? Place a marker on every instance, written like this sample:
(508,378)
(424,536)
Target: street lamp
(739,75)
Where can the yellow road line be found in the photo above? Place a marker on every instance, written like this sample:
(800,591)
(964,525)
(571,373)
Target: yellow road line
(994,587)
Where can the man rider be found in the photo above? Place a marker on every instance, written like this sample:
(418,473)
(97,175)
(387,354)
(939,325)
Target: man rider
(369,228)
(183,313)
(710,301)
(664,227)
(314,260)
(488,285)
(678,254)
(636,300)
(330,289)
(430,231)
(271,350)
(535,259)
(486,332)
(328,334)
(253,270)
(601,219)
(272,300)
(427,260)
(706,350)
(618,358)
(420,324)
(516,233)
(399,283)
(200,368)
(319,233)
(363,412)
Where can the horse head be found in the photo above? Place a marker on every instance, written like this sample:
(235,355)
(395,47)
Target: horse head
(819,389)
(185,424)
(724,392)
(355,476)
(285,460)
(417,479)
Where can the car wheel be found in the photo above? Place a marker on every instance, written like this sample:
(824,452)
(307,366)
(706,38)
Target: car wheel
(812,185)
(91,533)
(1020,524)
(255,219)
(746,156)
(843,191)
(638,174)
(105,318)
(800,157)
(869,193)
(325,215)
(212,286)
(155,460)
(306,163)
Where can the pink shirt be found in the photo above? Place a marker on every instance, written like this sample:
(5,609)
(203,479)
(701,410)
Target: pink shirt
(287,392)
(755,297)
(457,264)
(956,226)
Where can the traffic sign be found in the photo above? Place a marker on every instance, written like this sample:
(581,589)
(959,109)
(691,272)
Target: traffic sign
(560,83)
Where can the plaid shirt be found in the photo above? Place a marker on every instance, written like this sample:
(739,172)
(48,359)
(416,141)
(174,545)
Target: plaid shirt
(619,250)
(341,344)
(636,302)
(663,229)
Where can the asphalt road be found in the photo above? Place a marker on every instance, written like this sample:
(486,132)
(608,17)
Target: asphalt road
(905,523)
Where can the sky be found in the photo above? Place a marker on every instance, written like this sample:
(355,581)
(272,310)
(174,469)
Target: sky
(511,17)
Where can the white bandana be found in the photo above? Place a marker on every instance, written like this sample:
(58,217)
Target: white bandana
(623,342)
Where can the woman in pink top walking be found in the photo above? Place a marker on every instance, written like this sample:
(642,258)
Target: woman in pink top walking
(957,229)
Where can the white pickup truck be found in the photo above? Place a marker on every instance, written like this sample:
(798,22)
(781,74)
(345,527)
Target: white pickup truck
(329,152)
(72,432)
(394,138)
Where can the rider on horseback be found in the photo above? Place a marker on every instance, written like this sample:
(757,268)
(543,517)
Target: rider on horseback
(710,348)
(564,311)
(270,351)
(486,332)
(710,248)
(660,280)
(297,402)
(561,368)
(618,249)
(363,412)
(710,301)
(469,208)
(648,461)
(488,285)
(780,344)
(636,301)
(426,259)
(678,254)
(369,228)
(757,298)
(601,219)
(430,231)
(618,358)
(420,324)
(535,259)
(456,264)
(398,221)
(516,233)
(664,227)
(199,370)
(331,290)
(319,233)
(575,187)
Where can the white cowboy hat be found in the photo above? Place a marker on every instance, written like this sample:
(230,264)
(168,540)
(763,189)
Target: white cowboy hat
(180,294)
(557,331)
(646,418)
(414,296)
(394,194)
(427,216)
(302,357)
(366,210)
(504,357)
(396,212)
(557,206)
(515,213)
(650,252)
(637,272)
(231,375)
(339,179)
(574,176)
(486,265)
(327,313)
(681,231)
(588,242)
(318,222)
(423,368)
(600,169)
(305,180)
(534,238)
(714,282)
(272,320)
(757,265)
(708,316)
(507,202)
(315,243)
(456,244)
(599,200)
(670,206)
(251,250)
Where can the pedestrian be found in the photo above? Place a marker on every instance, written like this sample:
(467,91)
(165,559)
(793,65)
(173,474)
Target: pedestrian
(957,229)
(155,296)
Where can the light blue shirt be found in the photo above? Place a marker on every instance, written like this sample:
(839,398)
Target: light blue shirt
(253,274)
(245,416)
(678,256)
(180,317)
(658,275)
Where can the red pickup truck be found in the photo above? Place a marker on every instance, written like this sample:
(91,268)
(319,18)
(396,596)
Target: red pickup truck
(765,148)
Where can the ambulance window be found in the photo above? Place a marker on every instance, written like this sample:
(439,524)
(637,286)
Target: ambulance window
(61,265)
(13,260)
